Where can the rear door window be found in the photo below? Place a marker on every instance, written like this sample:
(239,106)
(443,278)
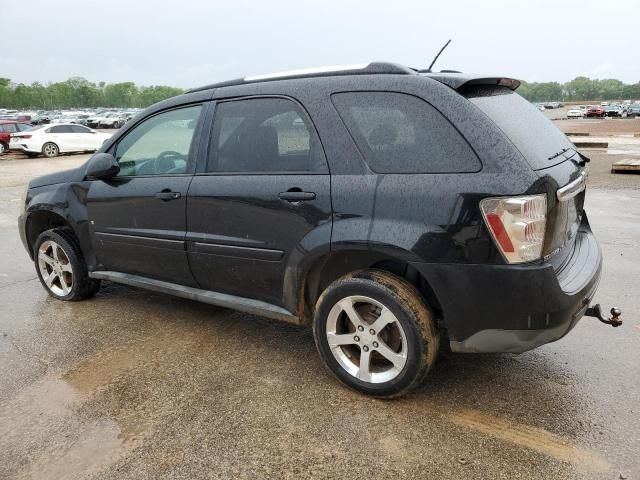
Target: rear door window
(264,135)
(400,133)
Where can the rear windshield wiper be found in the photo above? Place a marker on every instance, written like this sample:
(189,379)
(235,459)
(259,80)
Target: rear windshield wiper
(569,153)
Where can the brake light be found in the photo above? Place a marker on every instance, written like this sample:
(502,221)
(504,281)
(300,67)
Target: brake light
(20,136)
(517,225)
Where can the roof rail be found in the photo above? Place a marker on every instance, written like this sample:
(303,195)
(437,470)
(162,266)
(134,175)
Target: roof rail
(359,69)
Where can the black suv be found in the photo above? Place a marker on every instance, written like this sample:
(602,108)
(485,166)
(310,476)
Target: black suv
(384,206)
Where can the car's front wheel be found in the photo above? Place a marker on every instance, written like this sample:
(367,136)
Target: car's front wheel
(50,150)
(61,267)
(375,333)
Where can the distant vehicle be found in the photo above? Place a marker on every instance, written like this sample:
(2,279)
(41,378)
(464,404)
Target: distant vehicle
(65,119)
(553,105)
(575,113)
(111,120)
(604,104)
(94,120)
(633,111)
(52,140)
(613,111)
(82,119)
(7,127)
(594,111)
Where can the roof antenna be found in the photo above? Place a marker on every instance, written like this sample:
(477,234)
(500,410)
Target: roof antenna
(428,70)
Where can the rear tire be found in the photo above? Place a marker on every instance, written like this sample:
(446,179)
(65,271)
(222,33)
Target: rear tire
(375,317)
(61,267)
(50,150)
(3,148)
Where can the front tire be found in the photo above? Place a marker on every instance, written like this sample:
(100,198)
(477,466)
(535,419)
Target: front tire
(375,333)
(61,267)
(50,150)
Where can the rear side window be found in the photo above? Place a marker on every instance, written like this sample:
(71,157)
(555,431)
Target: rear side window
(9,128)
(60,129)
(264,135)
(400,133)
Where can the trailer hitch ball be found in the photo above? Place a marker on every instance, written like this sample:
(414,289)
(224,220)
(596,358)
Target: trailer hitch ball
(614,320)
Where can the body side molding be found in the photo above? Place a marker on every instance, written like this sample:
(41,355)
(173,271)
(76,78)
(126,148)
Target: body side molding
(242,304)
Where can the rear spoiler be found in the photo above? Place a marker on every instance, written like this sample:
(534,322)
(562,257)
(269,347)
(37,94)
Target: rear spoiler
(458,81)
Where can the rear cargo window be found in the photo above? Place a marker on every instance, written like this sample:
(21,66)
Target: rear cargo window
(537,138)
(400,133)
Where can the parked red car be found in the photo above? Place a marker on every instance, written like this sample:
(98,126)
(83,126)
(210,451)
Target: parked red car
(7,127)
(595,111)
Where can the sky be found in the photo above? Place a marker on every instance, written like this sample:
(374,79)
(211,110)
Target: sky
(187,43)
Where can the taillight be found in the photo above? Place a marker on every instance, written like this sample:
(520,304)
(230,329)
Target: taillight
(20,136)
(517,225)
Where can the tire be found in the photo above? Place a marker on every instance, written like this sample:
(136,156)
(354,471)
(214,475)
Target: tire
(4,148)
(61,267)
(50,150)
(388,320)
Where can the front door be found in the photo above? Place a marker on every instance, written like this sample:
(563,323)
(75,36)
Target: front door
(262,200)
(138,219)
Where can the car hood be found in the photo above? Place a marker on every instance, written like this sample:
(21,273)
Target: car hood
(73,175)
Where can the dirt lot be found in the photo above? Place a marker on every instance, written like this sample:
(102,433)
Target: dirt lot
(133,385)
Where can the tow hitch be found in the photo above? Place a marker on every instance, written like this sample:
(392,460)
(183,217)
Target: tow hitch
(614,320)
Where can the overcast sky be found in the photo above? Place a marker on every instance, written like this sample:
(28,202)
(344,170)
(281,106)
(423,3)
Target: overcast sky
(187,43)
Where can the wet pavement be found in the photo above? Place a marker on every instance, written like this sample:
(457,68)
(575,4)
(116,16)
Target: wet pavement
(133,385)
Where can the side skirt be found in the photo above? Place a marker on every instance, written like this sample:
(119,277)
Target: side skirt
(248,305)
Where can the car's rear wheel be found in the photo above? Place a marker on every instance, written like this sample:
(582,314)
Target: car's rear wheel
(3,148)
(61,267)
(375,333)
(50,150)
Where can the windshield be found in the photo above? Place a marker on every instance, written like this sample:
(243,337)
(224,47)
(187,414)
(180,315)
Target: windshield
(537,138)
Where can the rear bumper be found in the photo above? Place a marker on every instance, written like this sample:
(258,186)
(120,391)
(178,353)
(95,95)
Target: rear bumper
(502,308)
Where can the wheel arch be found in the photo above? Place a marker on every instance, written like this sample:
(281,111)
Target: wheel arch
(40,221)
(335,264)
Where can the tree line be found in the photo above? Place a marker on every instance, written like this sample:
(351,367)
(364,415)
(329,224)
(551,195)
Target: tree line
(78,92)
(580,88)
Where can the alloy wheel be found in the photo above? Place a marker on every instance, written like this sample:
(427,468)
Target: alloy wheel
(366,339)
(55,268)
(50,150)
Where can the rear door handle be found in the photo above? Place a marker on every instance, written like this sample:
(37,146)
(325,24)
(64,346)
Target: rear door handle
(296,196)
(167,195)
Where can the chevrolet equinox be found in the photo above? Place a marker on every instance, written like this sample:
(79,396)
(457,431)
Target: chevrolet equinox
(386,207)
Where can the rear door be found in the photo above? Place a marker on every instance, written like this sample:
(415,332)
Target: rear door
(263,195)
(137,218)
(85,139)
(62,136)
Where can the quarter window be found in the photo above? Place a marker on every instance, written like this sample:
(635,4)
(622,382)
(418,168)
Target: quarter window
(264,135)
(400,133)
(160,145)
(9,128)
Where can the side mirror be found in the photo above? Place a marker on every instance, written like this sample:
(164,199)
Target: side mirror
(101,166)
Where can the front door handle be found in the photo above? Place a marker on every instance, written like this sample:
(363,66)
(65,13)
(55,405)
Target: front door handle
(294,196)
(167,195)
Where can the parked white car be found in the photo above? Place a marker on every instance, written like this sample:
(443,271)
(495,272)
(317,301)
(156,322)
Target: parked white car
(50,140)
(111,120)
(575,113)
